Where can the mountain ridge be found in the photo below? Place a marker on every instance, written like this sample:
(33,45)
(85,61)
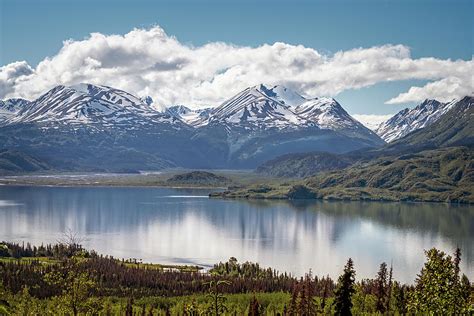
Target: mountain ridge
(92,126)
(453,128)
(409,120)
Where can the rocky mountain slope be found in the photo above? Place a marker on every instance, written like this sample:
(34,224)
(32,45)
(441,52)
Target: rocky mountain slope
(14,162)
(195,118)
(9,108)
(453,128)
(409,120)
(302,165)
(89,105)
(261,123)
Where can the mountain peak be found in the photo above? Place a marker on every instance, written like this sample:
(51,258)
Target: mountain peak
(281,94)
(409,120)
(430,101)
(86,103)
(280,107)
(195,118)
(147,100)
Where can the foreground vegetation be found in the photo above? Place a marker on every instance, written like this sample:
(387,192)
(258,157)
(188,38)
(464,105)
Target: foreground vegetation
(441,175)
(66,279)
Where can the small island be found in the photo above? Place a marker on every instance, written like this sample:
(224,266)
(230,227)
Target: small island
(198,179)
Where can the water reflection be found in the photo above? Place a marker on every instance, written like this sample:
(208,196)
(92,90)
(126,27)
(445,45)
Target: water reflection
(180,226)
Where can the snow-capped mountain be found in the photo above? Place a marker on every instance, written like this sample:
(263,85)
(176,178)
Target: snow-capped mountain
(91,105)
(409,120)
(94,126)
(283,95)
(10,107)
(258,107)
(13,105)
(327,113)
(282,108)
(195,118)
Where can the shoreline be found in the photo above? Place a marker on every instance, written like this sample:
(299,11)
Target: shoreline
(94,185)
(224,195)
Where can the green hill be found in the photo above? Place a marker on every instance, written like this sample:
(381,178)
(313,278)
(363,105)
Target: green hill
(302,165)
(441,175)
(14,161)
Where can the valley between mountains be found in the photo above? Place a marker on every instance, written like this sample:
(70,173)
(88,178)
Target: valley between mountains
(298,147)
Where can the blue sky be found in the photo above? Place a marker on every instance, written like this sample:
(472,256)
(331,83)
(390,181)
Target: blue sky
(32,30)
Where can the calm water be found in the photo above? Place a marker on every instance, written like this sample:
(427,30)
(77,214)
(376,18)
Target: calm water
(184,226)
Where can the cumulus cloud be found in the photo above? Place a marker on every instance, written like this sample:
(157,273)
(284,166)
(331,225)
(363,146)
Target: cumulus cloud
(12,74)
(443,90)
(150,62)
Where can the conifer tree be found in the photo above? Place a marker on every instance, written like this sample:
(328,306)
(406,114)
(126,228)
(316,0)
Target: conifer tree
(308,305)
(323,301)
(389,290)
(345,290)
(400,298)
(293,308)
(381,288)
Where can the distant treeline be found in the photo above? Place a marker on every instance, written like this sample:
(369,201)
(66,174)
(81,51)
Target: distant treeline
(76,281)
(58,251)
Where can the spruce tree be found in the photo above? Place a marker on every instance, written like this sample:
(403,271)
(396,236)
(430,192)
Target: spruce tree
(389,290)
(308,306)
(345,290)
(293,308)
(381,288)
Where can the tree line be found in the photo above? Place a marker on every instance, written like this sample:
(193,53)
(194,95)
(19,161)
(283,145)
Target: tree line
(81,282)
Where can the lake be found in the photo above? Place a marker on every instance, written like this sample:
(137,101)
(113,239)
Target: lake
(184,226)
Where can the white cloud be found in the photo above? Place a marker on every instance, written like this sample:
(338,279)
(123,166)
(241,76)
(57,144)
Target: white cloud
(149,62)
(12,74)
(443,90)
(372,121)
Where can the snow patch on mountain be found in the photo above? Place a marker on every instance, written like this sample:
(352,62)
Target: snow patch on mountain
(84,104)
(195,118)
(372,121)
(279,107)
(10,107)
(283,95)
(409,120)
(259,107)
(327,113)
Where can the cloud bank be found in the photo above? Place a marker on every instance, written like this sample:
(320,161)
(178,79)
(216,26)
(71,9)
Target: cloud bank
(150,62)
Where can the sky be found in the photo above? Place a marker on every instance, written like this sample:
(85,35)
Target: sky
(375,57)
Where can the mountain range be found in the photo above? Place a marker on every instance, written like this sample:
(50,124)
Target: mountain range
(93,127)
(454,127)
(434,163)
(409,120)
